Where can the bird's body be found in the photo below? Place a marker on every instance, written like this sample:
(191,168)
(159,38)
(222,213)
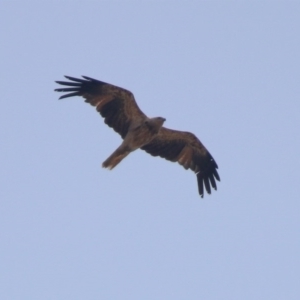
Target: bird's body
(120,111)
(138,135)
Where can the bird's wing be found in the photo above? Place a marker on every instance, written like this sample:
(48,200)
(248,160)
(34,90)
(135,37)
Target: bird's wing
(116,105)
(187,150)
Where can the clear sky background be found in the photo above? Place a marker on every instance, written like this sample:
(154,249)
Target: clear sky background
(226,71)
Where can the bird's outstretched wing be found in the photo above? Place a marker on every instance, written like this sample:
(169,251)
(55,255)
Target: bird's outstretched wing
(116,105)
(187,150)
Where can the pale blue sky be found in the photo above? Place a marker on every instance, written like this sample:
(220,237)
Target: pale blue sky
(226,71)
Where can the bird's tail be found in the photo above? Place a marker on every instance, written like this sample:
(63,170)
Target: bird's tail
(116,157)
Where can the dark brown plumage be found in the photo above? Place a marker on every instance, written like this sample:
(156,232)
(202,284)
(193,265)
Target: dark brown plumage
(120,111)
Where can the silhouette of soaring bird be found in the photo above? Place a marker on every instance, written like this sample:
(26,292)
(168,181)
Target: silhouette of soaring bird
(120,111)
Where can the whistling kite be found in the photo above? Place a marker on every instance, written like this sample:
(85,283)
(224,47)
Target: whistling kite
(120,111)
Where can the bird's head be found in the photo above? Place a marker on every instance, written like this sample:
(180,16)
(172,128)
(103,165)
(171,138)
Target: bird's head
(155,123)
(159,121)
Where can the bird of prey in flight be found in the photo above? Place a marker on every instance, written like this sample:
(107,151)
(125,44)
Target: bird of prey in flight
(120,111)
